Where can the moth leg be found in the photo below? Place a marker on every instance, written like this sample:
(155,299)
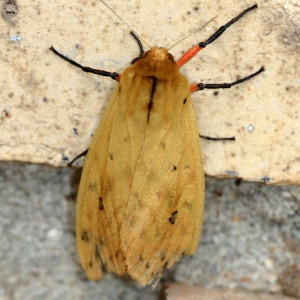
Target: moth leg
(194,50)
(205,137)
(112,75)
(77,157)
(201,86)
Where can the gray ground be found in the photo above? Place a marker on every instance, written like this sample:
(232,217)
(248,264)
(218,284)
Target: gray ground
(251,235)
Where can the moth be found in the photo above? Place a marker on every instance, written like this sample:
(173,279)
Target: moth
(141,194)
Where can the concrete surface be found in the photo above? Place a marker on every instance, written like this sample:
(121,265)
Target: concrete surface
(183,292)
(49,109)
(250,239)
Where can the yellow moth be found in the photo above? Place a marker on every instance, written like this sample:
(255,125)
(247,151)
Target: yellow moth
(141,194)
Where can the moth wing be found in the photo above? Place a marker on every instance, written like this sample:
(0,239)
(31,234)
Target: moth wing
(164,212)
(140,198)
(97,230)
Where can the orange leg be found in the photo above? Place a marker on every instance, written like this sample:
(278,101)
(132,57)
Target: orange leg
(194,50)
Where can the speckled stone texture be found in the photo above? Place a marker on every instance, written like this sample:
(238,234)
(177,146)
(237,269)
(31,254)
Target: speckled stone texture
(250,239)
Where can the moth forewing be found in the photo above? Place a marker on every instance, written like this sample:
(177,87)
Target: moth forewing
(141,193)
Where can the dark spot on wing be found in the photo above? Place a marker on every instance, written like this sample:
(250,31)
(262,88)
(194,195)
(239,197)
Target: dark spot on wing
(184,101)
(99,259)
(174,168)
(85,237)
(165,265)
(147,266)
(97,253)
(103,267)
(90,264)
(141,259)
(111,156)
(173,217)
(101,206)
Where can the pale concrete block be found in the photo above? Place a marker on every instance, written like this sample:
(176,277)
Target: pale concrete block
(49,109)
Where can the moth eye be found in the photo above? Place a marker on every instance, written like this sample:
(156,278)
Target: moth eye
(170,57)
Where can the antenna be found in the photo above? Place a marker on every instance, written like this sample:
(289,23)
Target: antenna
(182,39)
(124,22)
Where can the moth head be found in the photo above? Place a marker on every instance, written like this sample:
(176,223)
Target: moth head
(158,55)
(156,62)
